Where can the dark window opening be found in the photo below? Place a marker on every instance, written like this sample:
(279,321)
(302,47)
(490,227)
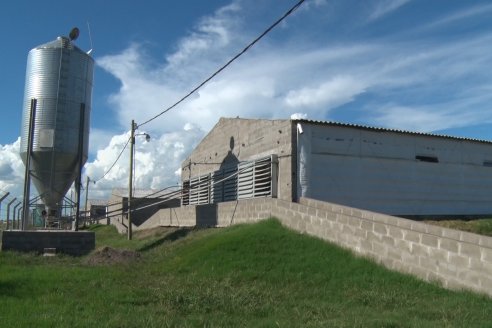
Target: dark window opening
(429,159)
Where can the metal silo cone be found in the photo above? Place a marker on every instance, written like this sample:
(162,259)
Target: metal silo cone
(59,76)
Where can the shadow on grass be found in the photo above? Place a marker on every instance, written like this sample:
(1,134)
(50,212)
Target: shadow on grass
(173,236)
(10,289)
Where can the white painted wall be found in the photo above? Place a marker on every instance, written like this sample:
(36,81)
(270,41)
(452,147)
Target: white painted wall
(378,171)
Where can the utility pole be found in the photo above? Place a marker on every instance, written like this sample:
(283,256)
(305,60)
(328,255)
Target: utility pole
(27,172)
(86,196)
(130,181)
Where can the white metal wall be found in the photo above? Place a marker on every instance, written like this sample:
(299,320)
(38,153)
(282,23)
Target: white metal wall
(394,173)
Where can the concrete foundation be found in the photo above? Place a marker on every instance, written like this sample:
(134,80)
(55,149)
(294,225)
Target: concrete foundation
(74,243)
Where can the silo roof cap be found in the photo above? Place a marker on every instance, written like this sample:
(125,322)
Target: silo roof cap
(60,42)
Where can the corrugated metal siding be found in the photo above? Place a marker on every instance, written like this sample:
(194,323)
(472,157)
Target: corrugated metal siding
(384,172)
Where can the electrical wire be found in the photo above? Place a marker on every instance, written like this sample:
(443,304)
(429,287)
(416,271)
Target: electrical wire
(114,163)
(169,196)
(149,195)
(201,185)
(251,44)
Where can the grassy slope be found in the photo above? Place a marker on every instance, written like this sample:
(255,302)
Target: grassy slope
(251,275)
(480,226)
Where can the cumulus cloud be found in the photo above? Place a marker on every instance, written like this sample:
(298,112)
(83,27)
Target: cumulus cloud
(156,160)
(11,172)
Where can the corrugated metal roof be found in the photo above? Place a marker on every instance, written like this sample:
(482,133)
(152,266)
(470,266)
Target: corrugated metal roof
(380,129)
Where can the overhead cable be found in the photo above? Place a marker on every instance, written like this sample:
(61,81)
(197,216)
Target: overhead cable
(290,11)
(114,163)
(201,185)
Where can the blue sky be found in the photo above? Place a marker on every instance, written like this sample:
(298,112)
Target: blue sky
(406,64)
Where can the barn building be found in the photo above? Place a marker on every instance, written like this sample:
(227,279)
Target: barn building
(395,172)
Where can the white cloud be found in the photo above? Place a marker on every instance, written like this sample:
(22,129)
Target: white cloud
(330,94)
(432,117)
(213,32)
(11,175)
(298,116)
(155,161)
(11,169)
(98,139)
(384,7)
(473,12)
(424,119)
(309,5)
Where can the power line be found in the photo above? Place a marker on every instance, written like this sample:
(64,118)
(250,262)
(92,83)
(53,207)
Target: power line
(149,195)
(249,46)
(161,199)
(290,11)
(164,198)
(114,163)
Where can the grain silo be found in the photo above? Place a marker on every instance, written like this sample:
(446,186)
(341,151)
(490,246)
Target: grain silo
(57,100)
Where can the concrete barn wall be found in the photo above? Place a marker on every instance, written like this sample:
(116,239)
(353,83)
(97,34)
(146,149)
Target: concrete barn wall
(235,140)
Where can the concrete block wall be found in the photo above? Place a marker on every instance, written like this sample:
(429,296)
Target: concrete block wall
(184,216)
(251,210)
(456,259)
(208,215)
(67,242)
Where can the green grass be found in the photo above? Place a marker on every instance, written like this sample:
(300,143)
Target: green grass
(259,275)
(479,226)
